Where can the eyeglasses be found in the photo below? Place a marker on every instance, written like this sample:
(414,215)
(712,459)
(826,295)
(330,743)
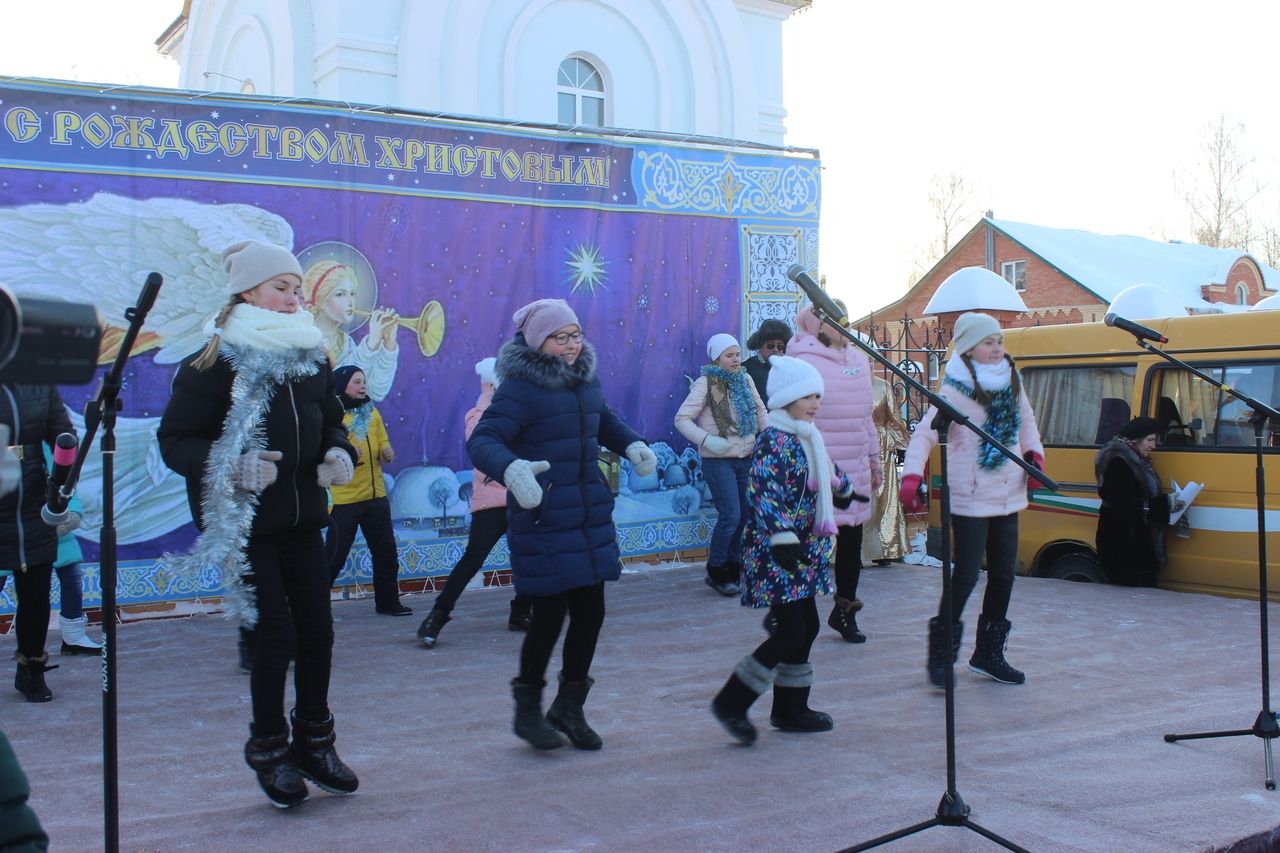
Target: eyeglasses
(774,346)
(565,337)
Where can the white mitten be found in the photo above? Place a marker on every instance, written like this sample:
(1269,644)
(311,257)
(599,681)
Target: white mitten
(257,469)
(73,522)
(335,470)
(713,444)
(642,458)
(521,479)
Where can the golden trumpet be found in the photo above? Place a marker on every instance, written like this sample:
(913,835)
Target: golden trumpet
(428,326)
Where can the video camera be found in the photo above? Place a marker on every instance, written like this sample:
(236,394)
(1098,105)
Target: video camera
(47,342)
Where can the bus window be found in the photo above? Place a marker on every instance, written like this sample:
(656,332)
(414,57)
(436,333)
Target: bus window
(1079,406)
(1194,413)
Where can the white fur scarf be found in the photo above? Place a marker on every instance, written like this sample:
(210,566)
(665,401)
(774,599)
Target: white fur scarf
(821,471)
(250,327)
(990,377)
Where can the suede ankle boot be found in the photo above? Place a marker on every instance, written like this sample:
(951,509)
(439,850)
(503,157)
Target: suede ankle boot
(316,758)
(566,714)
(529,723)
(29,678)
(269,757)
(845,621)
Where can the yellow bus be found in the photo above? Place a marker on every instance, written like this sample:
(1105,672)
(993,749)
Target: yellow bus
(1085,381)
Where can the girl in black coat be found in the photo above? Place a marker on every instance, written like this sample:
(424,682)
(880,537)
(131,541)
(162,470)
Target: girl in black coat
(541,437)
(1135,510)
(256,429)
(35,416)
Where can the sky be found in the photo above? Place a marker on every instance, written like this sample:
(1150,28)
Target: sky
(1084,115)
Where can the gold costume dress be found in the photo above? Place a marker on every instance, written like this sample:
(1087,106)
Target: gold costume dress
(884,536)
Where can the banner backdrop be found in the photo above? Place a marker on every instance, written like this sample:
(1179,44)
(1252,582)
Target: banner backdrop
(419,240)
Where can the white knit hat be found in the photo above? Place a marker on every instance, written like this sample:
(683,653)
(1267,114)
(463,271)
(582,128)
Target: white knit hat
(972,329)
(485,370)
(719,343)
(249,263)
(790,379)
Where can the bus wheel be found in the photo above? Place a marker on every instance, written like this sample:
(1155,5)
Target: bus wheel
(1077,566)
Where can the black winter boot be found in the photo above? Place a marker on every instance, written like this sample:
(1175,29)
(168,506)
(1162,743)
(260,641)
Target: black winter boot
(566,714)
(521,614)
(988,654)
(732,575)
(430,628)
(957,634)
(749,680)
(791,711)
(936,664)
(529,723)
(718,579)
(278,775)
(29,679)
(316,758)
(844,620)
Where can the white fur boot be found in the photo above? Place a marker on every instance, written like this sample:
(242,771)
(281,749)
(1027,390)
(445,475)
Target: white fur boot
(74,639)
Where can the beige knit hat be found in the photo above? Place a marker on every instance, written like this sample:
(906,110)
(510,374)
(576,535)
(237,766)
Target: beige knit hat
(972,329)
(249,263)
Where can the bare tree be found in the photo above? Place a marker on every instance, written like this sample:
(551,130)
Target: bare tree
(1219,197)
(951,203)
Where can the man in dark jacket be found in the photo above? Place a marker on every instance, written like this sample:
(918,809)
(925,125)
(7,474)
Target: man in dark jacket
(35,415)
(768,340)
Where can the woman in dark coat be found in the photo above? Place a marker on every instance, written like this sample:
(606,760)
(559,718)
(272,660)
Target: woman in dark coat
(1135,510)
(35,415)
(541,436)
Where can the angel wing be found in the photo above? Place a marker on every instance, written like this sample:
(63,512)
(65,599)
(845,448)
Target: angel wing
(101,250)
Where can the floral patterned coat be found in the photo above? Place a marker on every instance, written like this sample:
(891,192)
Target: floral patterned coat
(779,500)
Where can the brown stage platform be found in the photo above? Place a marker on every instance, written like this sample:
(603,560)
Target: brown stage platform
(1073,760)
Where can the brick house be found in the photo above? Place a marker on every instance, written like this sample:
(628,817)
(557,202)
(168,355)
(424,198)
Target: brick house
(1068,276)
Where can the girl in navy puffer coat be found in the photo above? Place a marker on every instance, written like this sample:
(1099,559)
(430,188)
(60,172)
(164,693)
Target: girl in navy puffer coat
(541,436)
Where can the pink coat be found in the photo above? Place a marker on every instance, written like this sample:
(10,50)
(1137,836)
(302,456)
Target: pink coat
(485,493)
(975,492)
(844,419)
(694,421)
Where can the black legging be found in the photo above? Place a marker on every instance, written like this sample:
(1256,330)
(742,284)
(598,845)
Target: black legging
(294,621)
(31,622)
(848,568)
(797,629)
(487,527)
(585,607)
(998,539)
(373,518)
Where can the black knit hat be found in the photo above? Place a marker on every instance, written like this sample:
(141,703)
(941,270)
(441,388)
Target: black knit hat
(341,378)
(1139,428)
(770,330)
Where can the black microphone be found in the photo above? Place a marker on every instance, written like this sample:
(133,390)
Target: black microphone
(54,511)
(816,294)
(1142,332)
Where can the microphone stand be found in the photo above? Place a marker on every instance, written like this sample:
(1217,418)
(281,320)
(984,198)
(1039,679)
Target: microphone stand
(952,809)
(103,410)
(1265,725)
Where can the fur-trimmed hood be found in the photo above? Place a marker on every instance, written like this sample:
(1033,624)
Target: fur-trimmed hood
(517,360)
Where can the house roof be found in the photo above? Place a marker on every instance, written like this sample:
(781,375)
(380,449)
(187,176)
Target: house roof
(1106,264)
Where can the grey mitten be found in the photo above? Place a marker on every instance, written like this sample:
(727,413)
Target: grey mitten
(715,445)
(335,470)
(521,479)
(256,470)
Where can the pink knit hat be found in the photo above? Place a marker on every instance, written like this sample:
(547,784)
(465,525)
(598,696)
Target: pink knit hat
(540,320)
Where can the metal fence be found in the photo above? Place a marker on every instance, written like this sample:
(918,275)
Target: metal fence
(914,345)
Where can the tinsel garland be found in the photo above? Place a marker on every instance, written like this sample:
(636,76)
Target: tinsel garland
(228,509)
(1004,421)
(360,417)
(739,394)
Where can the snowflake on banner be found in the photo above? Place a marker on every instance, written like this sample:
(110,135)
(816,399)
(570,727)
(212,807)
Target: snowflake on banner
(395,221)
(711,305)
(586,268)
(642,302)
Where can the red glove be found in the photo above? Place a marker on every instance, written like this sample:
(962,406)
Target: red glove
(1036,461)
(909,494)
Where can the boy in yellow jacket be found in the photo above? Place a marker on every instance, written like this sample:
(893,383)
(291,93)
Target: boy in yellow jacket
(363,503)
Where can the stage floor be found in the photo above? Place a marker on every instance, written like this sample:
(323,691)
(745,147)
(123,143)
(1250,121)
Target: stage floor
(1072,760)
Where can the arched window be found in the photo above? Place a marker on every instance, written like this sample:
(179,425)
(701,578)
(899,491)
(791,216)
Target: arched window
(580,93)
(1242,294)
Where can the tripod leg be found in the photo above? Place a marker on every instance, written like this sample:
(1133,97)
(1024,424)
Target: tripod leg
(892,836)
(991,836)
(1271,769)
(1202,735)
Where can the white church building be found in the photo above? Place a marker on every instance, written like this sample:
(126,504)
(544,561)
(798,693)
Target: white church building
(711,68)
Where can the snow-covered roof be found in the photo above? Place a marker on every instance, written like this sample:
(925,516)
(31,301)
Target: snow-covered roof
(1107,264)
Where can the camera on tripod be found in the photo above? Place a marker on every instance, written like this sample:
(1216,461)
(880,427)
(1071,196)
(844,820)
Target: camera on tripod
(44,341)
